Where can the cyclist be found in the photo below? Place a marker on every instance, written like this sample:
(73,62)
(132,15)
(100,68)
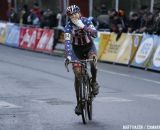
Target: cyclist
(79,45)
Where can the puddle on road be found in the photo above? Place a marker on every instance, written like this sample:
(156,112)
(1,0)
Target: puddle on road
(4,104)
(54,101)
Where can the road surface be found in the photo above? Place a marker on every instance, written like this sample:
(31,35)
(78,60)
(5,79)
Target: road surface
(37,93)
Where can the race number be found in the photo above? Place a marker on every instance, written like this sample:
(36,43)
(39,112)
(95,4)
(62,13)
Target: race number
(67,36)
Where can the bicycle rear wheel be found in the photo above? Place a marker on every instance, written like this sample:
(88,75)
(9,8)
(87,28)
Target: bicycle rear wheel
(84,100)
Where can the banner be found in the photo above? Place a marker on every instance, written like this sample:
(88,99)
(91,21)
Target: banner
(13,35)
(136,40)
(154,63)
(39,32)
(101,42)
(22,33)
(3,32)
(9,28)
(96,40)
(144,52)
(45,39)
(113,48)
(49,46)
(29,38)
(124,51)
(128,49)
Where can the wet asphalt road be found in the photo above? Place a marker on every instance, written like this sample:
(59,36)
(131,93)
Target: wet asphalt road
(37,93)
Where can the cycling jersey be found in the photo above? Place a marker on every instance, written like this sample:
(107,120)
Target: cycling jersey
(78,37)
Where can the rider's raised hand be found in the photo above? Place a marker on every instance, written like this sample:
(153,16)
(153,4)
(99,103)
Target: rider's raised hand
(78,23)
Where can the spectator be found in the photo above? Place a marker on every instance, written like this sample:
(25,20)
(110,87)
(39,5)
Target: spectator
(33,19)
(49,19)
(147,24)
(25,14)
(123,19)
(156,26)
(53,20)
(45,19)
(103,18)
(13,16)
(59,18)
(36,10)
(143,10)
(115,22)
(134,23)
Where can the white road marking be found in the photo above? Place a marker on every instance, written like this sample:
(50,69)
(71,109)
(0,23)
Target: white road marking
(39,101)
(111,99)
(129,76)
(151,96)
(4,104)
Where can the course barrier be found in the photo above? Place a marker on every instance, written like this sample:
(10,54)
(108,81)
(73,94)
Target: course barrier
(118,49)
(46,41)
(13,33)
(3,32)
(154,62)
(29,37)
(139,50)
(144,52)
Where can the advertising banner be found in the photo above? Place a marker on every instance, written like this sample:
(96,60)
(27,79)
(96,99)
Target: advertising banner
(49,46)
(29,39)
(34,42)
(144,51)
(136,40)
(154,62)
(101,42)
(124,51)
(112,49)
(128,48)
(45,38)
(13,36)
(97,40)
(3,32)
(9,28)
(22,33)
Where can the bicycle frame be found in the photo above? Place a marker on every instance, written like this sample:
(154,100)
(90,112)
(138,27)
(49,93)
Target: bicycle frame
(85,90)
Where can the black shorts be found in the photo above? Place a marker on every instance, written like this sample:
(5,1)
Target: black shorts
(83,52)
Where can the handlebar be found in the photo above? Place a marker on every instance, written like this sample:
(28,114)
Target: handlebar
(82,62)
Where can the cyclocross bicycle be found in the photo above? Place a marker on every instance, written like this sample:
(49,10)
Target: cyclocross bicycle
(85,90)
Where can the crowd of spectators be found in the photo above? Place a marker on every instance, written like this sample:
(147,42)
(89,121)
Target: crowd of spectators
(137,22)
(36,17)
(114,21)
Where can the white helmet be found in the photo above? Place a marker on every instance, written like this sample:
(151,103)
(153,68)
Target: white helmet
(72,9)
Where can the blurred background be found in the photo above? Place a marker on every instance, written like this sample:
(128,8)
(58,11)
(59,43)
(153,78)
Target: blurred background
(112,15)
(89,7)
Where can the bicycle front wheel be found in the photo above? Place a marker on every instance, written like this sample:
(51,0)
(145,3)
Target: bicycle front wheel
(84,100)
(89,103)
